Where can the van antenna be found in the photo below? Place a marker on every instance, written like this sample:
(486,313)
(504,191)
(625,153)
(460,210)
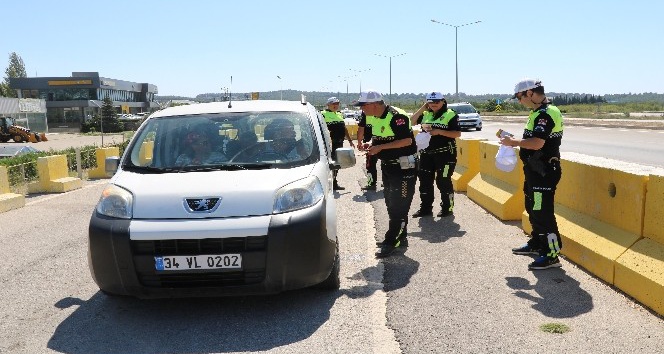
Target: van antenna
(230,93)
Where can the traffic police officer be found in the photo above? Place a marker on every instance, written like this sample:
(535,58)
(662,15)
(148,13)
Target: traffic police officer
(337,128)
(540,153)
(438,160)
(393,143)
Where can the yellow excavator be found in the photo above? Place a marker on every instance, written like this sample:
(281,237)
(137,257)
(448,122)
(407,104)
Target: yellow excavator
(9,130)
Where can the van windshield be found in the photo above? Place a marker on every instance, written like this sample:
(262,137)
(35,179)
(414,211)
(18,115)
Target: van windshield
(273,139)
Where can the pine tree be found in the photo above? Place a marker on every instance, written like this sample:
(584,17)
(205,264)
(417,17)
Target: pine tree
(15,69)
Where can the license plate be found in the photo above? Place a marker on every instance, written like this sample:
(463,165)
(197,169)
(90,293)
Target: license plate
(208,261)
(466,123)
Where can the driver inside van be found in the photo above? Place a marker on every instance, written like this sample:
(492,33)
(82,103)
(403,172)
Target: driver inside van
(283,140)
(199,149)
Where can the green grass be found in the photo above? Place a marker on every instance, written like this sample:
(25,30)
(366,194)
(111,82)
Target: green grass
(557,328)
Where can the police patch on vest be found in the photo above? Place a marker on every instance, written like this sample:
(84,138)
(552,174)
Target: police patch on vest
(541,121)
(400,121)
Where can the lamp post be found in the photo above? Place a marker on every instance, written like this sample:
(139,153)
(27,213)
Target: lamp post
(390,56)
(358,73)
(101,121)
(281,88)
(345,78)
(456,56)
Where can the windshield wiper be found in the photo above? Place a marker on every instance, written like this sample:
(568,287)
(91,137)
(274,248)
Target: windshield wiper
(145,169)
(229,167)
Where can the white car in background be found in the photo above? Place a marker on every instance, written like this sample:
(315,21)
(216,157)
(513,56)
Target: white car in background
(469,116)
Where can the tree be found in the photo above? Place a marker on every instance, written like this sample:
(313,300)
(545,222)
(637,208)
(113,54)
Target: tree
(15,69)
(109,118)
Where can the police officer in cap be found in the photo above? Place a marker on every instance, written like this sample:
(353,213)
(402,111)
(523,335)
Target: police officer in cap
(540,153)
(438,160)
(393,143)
(337,128)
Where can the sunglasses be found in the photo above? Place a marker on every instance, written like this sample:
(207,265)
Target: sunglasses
(519,96)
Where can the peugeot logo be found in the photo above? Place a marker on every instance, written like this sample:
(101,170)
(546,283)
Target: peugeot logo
(202,205)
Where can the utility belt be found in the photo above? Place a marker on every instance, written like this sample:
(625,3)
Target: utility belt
(537,165)
(405,162)
(438,150)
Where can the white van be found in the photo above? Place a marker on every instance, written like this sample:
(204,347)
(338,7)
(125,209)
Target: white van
(220,199)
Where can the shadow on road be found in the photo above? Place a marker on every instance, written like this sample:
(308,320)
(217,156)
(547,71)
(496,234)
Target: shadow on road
(555,294)
(106,324)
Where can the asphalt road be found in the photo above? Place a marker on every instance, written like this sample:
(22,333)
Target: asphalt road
(456,289)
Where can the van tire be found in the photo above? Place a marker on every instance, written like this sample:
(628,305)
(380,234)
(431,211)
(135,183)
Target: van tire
(333,281)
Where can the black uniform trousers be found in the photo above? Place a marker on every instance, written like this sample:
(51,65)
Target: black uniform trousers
(372,170)
(398,191)
(336,144)
(539,193)
(437,167)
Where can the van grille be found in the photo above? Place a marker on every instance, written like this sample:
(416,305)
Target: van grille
(199,246)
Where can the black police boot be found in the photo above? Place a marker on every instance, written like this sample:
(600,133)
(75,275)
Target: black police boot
(337,187)
(422,212)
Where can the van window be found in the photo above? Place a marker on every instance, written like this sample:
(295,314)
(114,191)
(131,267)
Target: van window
(261,139)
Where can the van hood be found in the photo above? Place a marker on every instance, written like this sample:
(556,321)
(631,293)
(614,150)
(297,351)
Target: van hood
(241,193)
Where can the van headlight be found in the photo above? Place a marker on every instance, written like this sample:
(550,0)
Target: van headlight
(298,195)
(116,202)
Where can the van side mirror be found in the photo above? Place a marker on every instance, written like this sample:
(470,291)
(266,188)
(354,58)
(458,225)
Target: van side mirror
(345,157)
(111,165)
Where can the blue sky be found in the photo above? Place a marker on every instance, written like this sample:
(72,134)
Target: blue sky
(195,46)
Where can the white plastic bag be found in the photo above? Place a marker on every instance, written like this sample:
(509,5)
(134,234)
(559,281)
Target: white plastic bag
(422,140)
(506,158)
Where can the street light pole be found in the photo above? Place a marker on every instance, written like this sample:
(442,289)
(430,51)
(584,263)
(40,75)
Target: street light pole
(390,56)
(359,75)
(281,88)
(456,55)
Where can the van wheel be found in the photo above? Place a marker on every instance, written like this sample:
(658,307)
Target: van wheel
(17,138)
(333,281)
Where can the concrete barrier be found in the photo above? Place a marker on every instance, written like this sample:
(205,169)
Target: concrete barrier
(101,154)
(8,200)
(468,162)
(352,130)
(145,154)
(54,176)
(599,210)
(501,193)
(639,271)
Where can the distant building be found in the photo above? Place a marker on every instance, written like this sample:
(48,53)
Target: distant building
(27,112)
(72,100)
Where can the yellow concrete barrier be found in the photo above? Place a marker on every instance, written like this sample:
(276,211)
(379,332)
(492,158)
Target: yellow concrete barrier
(8,200)
(352,130)
(101,154)
(145,154)
(599,211)
(501,193)
(639,271)
(468,162)
(54,176)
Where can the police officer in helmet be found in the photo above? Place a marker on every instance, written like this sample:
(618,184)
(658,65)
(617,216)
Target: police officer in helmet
(337,128)
(393,143)
(539,149)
